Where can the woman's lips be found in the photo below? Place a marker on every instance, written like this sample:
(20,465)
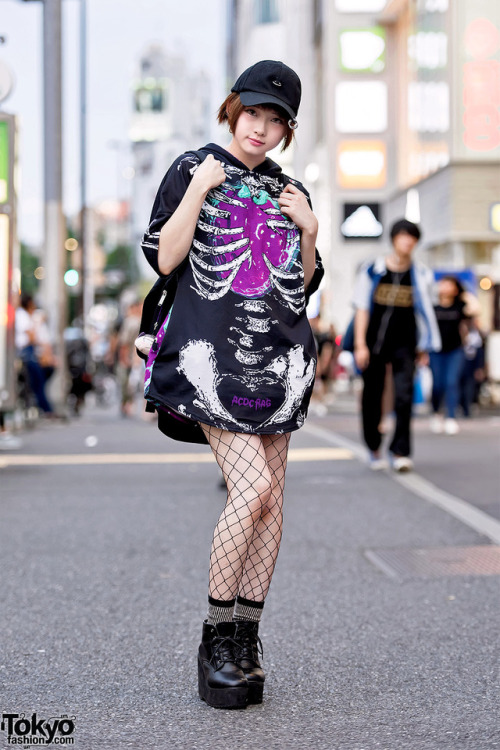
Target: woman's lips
(256,142)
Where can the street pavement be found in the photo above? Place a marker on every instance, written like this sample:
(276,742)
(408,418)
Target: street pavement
(380,630)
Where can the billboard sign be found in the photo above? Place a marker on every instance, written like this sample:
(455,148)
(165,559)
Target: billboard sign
(4,161)
(477,111)
(8,292)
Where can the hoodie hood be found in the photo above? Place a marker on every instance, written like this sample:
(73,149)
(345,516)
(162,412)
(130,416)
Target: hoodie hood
(268,167)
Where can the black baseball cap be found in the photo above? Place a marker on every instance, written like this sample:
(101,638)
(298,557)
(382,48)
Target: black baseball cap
(270,82)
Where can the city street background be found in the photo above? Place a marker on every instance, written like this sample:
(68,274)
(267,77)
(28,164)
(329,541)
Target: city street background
(380,631)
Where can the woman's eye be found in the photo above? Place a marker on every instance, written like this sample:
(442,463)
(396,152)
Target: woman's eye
(250,111)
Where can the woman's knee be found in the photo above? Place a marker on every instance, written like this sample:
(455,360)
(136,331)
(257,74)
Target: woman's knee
(255,495)
(274,505)
(263,487)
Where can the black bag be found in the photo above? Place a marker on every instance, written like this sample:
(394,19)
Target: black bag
(155,308)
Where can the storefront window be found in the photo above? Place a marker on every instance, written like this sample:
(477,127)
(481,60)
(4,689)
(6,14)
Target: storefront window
(150,98)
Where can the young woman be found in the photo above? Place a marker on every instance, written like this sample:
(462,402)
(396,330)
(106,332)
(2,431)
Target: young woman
(453,309)
(233,363)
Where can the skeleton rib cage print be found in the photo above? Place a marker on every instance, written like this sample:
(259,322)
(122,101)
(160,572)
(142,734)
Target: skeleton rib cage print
(236,350)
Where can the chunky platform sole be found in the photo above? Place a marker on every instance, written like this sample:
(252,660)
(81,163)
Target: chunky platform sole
(255,692)
(235,697)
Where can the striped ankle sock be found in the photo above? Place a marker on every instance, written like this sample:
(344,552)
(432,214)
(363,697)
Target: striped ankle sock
(246,609)
(219,611)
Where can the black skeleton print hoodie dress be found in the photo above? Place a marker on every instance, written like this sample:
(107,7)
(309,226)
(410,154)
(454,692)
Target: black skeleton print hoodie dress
(236,349)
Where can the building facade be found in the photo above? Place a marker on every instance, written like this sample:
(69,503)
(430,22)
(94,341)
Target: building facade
(170,114)
(401,117)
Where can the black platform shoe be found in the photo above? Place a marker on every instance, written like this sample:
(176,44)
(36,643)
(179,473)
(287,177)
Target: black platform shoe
(221,682)
(250,645)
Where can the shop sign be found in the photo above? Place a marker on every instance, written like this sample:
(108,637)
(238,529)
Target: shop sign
(495,217)
(361,221)
(361,164)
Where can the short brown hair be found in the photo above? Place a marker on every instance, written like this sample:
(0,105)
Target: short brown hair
(231,108)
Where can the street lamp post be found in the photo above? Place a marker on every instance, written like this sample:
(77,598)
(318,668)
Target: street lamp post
(87,277)
(53,291)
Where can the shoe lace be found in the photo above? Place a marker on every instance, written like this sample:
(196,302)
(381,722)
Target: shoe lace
(224,650)
(250,645)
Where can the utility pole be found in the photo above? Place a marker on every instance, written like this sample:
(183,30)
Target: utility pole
(53,290)
(87,279)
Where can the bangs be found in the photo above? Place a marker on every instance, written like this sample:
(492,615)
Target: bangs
(231,108)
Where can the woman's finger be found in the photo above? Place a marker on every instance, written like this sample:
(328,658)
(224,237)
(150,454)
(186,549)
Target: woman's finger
(291,189)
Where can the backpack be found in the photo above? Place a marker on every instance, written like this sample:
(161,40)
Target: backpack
(160,298)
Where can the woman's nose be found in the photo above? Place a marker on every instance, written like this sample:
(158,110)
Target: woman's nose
(260,127)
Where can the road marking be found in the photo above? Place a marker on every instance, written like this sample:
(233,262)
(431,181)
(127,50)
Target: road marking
(105,459)
(336,439)
(462,510)
(470,515)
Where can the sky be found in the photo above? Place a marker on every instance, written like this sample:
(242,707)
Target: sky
(118,32)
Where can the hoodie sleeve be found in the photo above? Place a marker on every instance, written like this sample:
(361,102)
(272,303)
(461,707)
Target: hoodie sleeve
(169,195)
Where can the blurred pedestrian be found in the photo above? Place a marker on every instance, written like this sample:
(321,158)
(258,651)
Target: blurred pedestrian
(44,347)
(394,324)
(129,365)
(324,336)
(79,367)
(233,363)
(473,374)
(27,344)
(447,365)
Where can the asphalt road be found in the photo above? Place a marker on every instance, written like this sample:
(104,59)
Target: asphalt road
(104,581)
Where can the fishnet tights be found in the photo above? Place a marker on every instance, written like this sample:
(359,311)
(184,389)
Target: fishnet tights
(248,534)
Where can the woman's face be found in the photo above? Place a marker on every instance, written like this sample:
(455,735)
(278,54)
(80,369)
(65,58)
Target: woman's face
(447,288)
(258,131)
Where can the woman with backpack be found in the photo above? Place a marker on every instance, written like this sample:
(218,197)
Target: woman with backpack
(233,359)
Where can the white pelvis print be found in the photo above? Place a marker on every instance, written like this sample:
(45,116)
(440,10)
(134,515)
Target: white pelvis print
(198,363)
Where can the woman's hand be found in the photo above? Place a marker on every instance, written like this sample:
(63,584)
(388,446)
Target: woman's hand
(210,174)
(422,358)
(362,357)
(472,307)
(293,203)
(176,235)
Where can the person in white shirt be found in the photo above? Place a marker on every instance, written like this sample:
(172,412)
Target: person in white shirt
(26,343)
